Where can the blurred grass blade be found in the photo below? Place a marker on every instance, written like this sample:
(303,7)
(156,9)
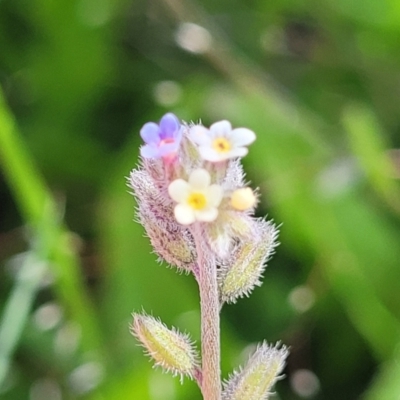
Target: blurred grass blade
(36,204)
(17,309)
(368,145)
(28,187)
(22,296)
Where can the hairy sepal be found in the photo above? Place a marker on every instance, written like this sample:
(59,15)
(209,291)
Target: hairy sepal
(243,272)
(171,241)
(255,380)
(171,350)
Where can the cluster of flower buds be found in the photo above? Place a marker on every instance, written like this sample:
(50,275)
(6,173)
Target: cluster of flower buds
(197,210)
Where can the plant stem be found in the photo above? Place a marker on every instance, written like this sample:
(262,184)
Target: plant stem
(210,330)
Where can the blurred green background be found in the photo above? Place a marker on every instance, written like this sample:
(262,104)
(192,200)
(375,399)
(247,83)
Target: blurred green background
(319,83)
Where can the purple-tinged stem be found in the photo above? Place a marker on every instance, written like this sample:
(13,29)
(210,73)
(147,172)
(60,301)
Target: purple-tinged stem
(210,329)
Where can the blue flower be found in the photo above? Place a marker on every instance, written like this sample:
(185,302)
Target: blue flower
(163,140)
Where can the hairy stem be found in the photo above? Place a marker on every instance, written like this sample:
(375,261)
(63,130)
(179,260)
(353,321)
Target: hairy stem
(210,330)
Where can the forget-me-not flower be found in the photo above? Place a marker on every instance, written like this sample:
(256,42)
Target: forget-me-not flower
(221,142)
(163,140)
(197,199)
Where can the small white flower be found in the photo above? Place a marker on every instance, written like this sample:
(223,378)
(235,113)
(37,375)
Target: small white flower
(221,142)
(197,199)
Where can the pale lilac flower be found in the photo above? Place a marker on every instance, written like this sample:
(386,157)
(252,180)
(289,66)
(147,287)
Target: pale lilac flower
(197,199)
(161,140)
(221,142)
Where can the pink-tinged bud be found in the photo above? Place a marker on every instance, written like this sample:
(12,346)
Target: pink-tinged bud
(171,241)
(255,380)
(171,350)
(244,270)
(173,246)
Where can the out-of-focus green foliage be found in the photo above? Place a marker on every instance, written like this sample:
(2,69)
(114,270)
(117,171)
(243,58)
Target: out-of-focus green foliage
(317,81)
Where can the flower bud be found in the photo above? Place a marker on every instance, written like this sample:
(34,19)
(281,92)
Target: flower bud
(244,271)
(255,381)
(171,244)
(170,349)
(243,199)
(171,241)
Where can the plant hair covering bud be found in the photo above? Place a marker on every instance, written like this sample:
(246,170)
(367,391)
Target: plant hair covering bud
(255,380)
(171,350)
(244,271)
(171,241)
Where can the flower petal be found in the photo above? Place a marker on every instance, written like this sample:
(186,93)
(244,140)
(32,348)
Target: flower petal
(169,126)
(238,152)
(199,179)
(200,135)
(166,149)
(148,151)
(179,190)
(209,154)
(184,214)
(207,215)
(242,137)
(150,133)
(214,194)
(221,129)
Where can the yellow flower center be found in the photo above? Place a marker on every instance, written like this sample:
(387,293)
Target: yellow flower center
(197,201)
(221,145)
